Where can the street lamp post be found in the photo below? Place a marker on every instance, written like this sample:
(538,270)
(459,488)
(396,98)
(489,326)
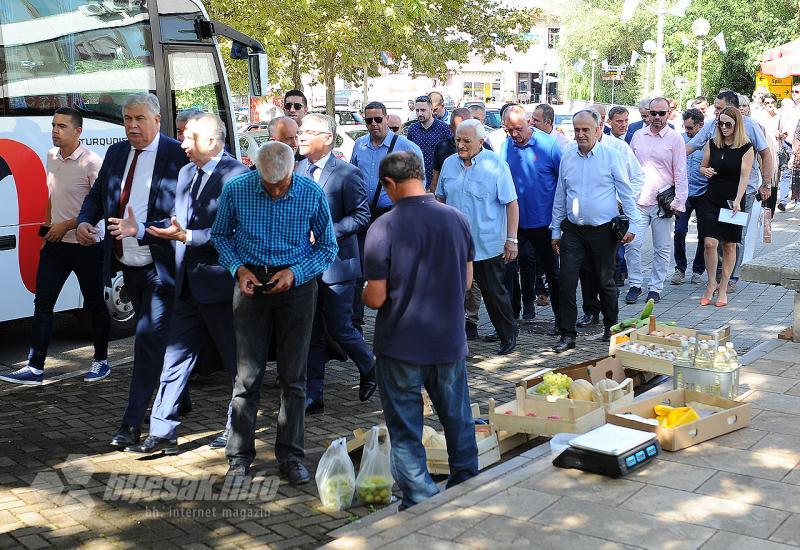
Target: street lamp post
(593,55)
(659,71)
(649,47)
(680,84)
(700,29)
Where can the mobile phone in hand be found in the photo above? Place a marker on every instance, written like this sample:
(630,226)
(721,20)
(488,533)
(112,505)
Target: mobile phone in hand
(44,230)
(264,288)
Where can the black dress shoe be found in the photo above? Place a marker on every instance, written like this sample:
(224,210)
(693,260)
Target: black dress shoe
(607,334)
(185,407)
(125,437)
(154,444)
(367,385)
(565,343)
(296,472)
(588,320)
(238,469)
(507,347)
(314,406)
(493,337)
(220,441)
(471,330)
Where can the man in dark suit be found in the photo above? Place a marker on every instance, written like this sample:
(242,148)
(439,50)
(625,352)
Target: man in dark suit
(346,192)
(203,308)
(139,176)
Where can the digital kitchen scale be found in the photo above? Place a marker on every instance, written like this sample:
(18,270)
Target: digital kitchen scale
(610,450)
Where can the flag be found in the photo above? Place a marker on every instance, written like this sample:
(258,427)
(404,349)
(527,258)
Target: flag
(627,10)
(679,9)
(719,40)
(634,58)
(386,57)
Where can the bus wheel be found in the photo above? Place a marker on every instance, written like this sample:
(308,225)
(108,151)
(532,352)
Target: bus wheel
(123,319)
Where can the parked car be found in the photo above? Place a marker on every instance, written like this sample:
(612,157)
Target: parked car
(493,119)
(348,98)
(563,123)
(344,117)
(346,136)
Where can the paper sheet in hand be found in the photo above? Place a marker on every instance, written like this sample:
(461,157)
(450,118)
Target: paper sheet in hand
(727,216)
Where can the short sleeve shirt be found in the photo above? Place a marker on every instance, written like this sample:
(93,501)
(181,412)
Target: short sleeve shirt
(69,180)
(421,248)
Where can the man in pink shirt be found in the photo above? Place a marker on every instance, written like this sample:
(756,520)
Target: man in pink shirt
(71,171)
(662,154)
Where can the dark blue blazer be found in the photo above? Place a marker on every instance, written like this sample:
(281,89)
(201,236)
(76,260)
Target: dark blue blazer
(198,261)
(346,192)
(102,202)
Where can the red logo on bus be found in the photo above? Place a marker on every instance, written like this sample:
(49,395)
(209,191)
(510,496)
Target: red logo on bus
(31,181)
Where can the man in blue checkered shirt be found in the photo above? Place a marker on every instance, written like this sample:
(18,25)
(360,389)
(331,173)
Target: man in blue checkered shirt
(274,233)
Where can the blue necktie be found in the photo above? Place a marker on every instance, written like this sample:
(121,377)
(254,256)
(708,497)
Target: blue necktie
(194,192)
(311,169)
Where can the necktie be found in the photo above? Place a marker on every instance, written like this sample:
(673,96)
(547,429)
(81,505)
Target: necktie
(125,196)
(311,169)
(194,192)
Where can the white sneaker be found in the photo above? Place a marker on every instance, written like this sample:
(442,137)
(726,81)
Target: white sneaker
(677,278)
(697,278)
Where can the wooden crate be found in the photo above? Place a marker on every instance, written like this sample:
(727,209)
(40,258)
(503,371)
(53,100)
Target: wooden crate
(552,416)
(638,361)
(642,334)
(510,441)
(488,451)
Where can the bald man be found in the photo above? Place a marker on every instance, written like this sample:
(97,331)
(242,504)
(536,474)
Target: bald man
(284,129)
(395,124)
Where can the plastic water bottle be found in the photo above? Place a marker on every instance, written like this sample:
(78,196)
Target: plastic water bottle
(684,359)
(721,361)
(733,357)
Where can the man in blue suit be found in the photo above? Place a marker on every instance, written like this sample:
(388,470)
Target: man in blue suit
(203,308)
(139,176)
(347,199)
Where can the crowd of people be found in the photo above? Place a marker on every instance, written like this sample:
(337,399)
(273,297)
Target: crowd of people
(278,262)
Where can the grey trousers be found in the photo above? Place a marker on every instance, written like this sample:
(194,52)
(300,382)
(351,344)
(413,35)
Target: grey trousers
(472,304)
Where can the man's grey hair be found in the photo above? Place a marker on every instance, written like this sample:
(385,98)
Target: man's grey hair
(402,166)
(327,122)
(743,100)
(645,103)
(480,131)
(477,107)
(616,110)
(590,112)
(274,161)
(519,109)
(187,114)
(143,99)
(216,124)
(600,108)
(278,120)
(548,114)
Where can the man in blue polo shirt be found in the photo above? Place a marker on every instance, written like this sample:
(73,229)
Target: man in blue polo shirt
(533,158)
(368,152)
(427,133)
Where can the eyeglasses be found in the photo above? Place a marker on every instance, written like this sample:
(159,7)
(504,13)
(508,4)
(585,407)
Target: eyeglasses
(394,128)
(293,106)
(796,91)
(769,103)
(424,98)
(375,119)
(311,132)
(727,124)
(658,113)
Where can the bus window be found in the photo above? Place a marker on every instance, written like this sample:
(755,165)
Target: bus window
(195,82)
(176,18)
(73,53)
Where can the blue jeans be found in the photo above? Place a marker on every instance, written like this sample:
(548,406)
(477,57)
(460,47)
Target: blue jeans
(400,385)
(679,240)
(56,262)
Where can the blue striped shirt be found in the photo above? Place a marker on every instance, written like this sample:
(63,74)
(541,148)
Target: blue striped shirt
(252,228)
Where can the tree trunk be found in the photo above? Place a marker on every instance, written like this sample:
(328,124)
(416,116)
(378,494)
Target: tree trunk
(329,75)
(297,81)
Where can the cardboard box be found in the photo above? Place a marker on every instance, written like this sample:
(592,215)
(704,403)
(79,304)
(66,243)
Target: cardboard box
(735,416)
(592,371)
(541,415)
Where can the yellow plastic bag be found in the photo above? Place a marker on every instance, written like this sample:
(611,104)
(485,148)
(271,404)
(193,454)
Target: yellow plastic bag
(672,417)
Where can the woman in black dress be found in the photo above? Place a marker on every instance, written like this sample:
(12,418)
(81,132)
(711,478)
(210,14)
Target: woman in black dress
(727,159)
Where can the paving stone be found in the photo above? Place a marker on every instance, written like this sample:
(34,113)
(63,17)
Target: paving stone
(789,532)
(679,506)
(737,461)
(517,503)
(665,473)
(581,485)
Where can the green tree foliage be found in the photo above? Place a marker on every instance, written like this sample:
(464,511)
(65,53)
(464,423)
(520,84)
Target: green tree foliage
(330,38)
(749,28)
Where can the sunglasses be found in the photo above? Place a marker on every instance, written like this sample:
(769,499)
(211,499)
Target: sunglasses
(769,103)
(727,124)
(796,91)
(394,128)
(293,106)
(375,119)
(658,113)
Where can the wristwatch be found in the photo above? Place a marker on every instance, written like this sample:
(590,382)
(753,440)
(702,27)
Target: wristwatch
(512,240)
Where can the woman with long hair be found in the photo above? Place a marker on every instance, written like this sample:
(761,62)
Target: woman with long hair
(727,159)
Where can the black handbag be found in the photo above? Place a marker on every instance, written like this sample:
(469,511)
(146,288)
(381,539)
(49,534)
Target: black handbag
(619,226)
(664,199)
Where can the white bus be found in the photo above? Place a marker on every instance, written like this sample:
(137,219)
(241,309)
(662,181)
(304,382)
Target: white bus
(90,54)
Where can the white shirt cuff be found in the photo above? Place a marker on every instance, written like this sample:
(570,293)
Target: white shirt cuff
(140,232)
(188,240)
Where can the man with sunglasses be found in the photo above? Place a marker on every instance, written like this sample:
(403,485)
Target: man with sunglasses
(395,124)
(295,105)
(760,172)
(427,132)
(660,150)
(644,112)
(368,152)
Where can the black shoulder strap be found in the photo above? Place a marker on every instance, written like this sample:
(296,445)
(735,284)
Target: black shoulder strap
(377,195)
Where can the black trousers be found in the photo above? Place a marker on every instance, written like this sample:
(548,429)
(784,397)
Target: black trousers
(490,275)
(596,246)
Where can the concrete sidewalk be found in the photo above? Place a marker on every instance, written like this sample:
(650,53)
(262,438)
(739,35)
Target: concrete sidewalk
(738,491)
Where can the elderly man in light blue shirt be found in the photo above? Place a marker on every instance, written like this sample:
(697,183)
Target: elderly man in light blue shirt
(478,183)
(592,177)
(761,170)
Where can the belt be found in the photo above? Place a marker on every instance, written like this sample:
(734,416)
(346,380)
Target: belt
(266,269)
(568,224)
